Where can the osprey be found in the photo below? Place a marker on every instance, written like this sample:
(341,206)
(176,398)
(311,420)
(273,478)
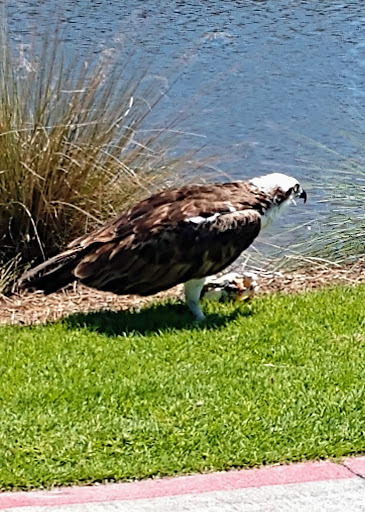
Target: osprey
(176,236)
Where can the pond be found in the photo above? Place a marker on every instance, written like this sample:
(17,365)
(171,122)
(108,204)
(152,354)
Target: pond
(275,85)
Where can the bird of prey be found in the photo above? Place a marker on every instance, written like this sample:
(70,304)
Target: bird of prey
(176,236)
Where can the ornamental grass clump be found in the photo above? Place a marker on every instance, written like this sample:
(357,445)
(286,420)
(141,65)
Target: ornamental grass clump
(339,236)
(342,238)
(75,145)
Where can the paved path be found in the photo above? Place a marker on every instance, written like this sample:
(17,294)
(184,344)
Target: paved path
(305,487)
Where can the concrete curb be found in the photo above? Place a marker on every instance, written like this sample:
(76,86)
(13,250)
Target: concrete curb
(193,484)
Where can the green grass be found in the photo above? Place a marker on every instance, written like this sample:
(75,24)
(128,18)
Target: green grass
(116,396)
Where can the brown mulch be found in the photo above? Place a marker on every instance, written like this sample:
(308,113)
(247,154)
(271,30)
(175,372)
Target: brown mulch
(33,308)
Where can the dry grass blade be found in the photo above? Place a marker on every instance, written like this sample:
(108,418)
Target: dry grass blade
(76,145)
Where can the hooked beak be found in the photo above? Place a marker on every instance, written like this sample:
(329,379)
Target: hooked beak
(303,195)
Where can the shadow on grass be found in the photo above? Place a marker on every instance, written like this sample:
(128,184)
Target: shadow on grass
(155,318)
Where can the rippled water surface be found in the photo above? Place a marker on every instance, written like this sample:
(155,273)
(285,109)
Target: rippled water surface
(277,81)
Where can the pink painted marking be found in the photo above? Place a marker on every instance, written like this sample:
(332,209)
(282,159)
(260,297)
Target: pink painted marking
(357,465)
(194,484)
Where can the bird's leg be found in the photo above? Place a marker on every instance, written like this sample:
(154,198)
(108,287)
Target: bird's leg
(193,290)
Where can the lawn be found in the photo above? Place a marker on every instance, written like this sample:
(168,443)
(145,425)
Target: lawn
(118,396)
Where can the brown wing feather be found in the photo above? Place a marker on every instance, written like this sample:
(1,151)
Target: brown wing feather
(153,245)
(173,206)
(150,261)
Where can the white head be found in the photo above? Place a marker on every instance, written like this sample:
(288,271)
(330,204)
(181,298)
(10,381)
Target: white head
(281,190)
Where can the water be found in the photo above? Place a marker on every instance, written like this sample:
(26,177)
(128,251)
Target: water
(279,83)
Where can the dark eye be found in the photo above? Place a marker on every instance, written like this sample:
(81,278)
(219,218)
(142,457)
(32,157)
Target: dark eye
(296,188)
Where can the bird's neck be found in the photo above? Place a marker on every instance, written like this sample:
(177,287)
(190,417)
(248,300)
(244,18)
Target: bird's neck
(272,213)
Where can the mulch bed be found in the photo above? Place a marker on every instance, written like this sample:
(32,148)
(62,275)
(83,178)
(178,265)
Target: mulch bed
(34,308)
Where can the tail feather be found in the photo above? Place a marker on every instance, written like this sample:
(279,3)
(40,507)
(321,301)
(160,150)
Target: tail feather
(52,274)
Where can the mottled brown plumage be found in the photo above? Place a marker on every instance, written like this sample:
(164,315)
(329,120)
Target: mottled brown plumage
(172,237)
